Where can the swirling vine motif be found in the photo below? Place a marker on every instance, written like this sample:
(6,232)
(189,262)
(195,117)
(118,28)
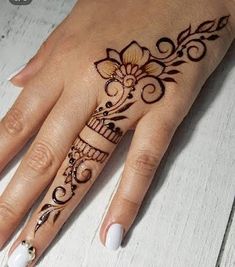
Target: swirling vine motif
(75,175)
(132,70)
(135,69)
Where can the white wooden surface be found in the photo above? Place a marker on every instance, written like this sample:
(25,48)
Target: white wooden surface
(228,248)
(186,220)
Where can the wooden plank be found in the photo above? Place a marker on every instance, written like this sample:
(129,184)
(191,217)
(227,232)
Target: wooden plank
(24,29)
(227,251)
(184,217)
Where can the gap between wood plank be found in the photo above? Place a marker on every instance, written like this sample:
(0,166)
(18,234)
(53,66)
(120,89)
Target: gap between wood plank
(226,235)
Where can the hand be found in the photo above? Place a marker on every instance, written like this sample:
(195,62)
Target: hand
(75,89)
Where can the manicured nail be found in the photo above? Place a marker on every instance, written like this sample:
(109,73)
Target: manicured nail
(114,236)
(22,255)
(16,72)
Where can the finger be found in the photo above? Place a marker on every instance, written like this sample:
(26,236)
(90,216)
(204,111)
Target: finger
(78,172)
(38,61)
(28,112)
(148,146)
(41,162)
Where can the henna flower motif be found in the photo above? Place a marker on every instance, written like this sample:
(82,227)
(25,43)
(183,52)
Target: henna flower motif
(130,65)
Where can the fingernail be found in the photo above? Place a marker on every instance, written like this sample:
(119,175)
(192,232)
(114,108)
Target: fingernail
(114,236)
(16,72)
(22,255)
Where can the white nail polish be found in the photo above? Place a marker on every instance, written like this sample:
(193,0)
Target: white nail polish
(114,236)
(22,255)
(16,72)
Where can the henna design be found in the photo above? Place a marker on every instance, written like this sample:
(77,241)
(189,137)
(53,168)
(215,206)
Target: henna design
(134,69)
(75,175)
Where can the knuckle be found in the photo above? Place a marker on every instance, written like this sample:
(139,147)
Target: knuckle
(130,204)
(176,113)
(168,126)
(64,47)
(144,162)
(13,121)
(41,157)
(7,211)
(126,205)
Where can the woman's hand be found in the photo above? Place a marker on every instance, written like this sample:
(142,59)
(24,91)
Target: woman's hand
(108,68)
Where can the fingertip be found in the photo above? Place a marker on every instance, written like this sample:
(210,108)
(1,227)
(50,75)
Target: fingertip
(23,255)
(26,72)
(16,73)
(112,231)
(17,81)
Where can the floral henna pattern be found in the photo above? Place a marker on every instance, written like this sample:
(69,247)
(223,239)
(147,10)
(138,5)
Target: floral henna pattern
(132,74)
(135,73)
(75,175)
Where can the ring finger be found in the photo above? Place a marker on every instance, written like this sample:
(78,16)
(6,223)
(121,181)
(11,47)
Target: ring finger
(41,162)
(28,112)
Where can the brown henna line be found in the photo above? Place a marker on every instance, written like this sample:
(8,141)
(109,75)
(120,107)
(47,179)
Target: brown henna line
(124,70)
(132,70)
(79,153)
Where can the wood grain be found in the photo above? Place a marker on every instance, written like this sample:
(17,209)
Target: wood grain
(185,215)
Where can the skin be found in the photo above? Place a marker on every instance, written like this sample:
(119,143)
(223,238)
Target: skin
(62,88)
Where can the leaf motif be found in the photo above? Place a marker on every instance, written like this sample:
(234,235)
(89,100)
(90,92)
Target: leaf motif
(117,118)
(205,26)
(213,37)
(183,35)
(45,216)
(222,22)
(169,79)
(173,72)
(46,206)
(56,216)
(37,226)
(177,63)
(68,179)
(125,107)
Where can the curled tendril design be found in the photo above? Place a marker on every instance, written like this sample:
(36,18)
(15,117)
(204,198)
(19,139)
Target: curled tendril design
(76,174)
(152,91)
(134,73)
(190,44)
(135,69)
